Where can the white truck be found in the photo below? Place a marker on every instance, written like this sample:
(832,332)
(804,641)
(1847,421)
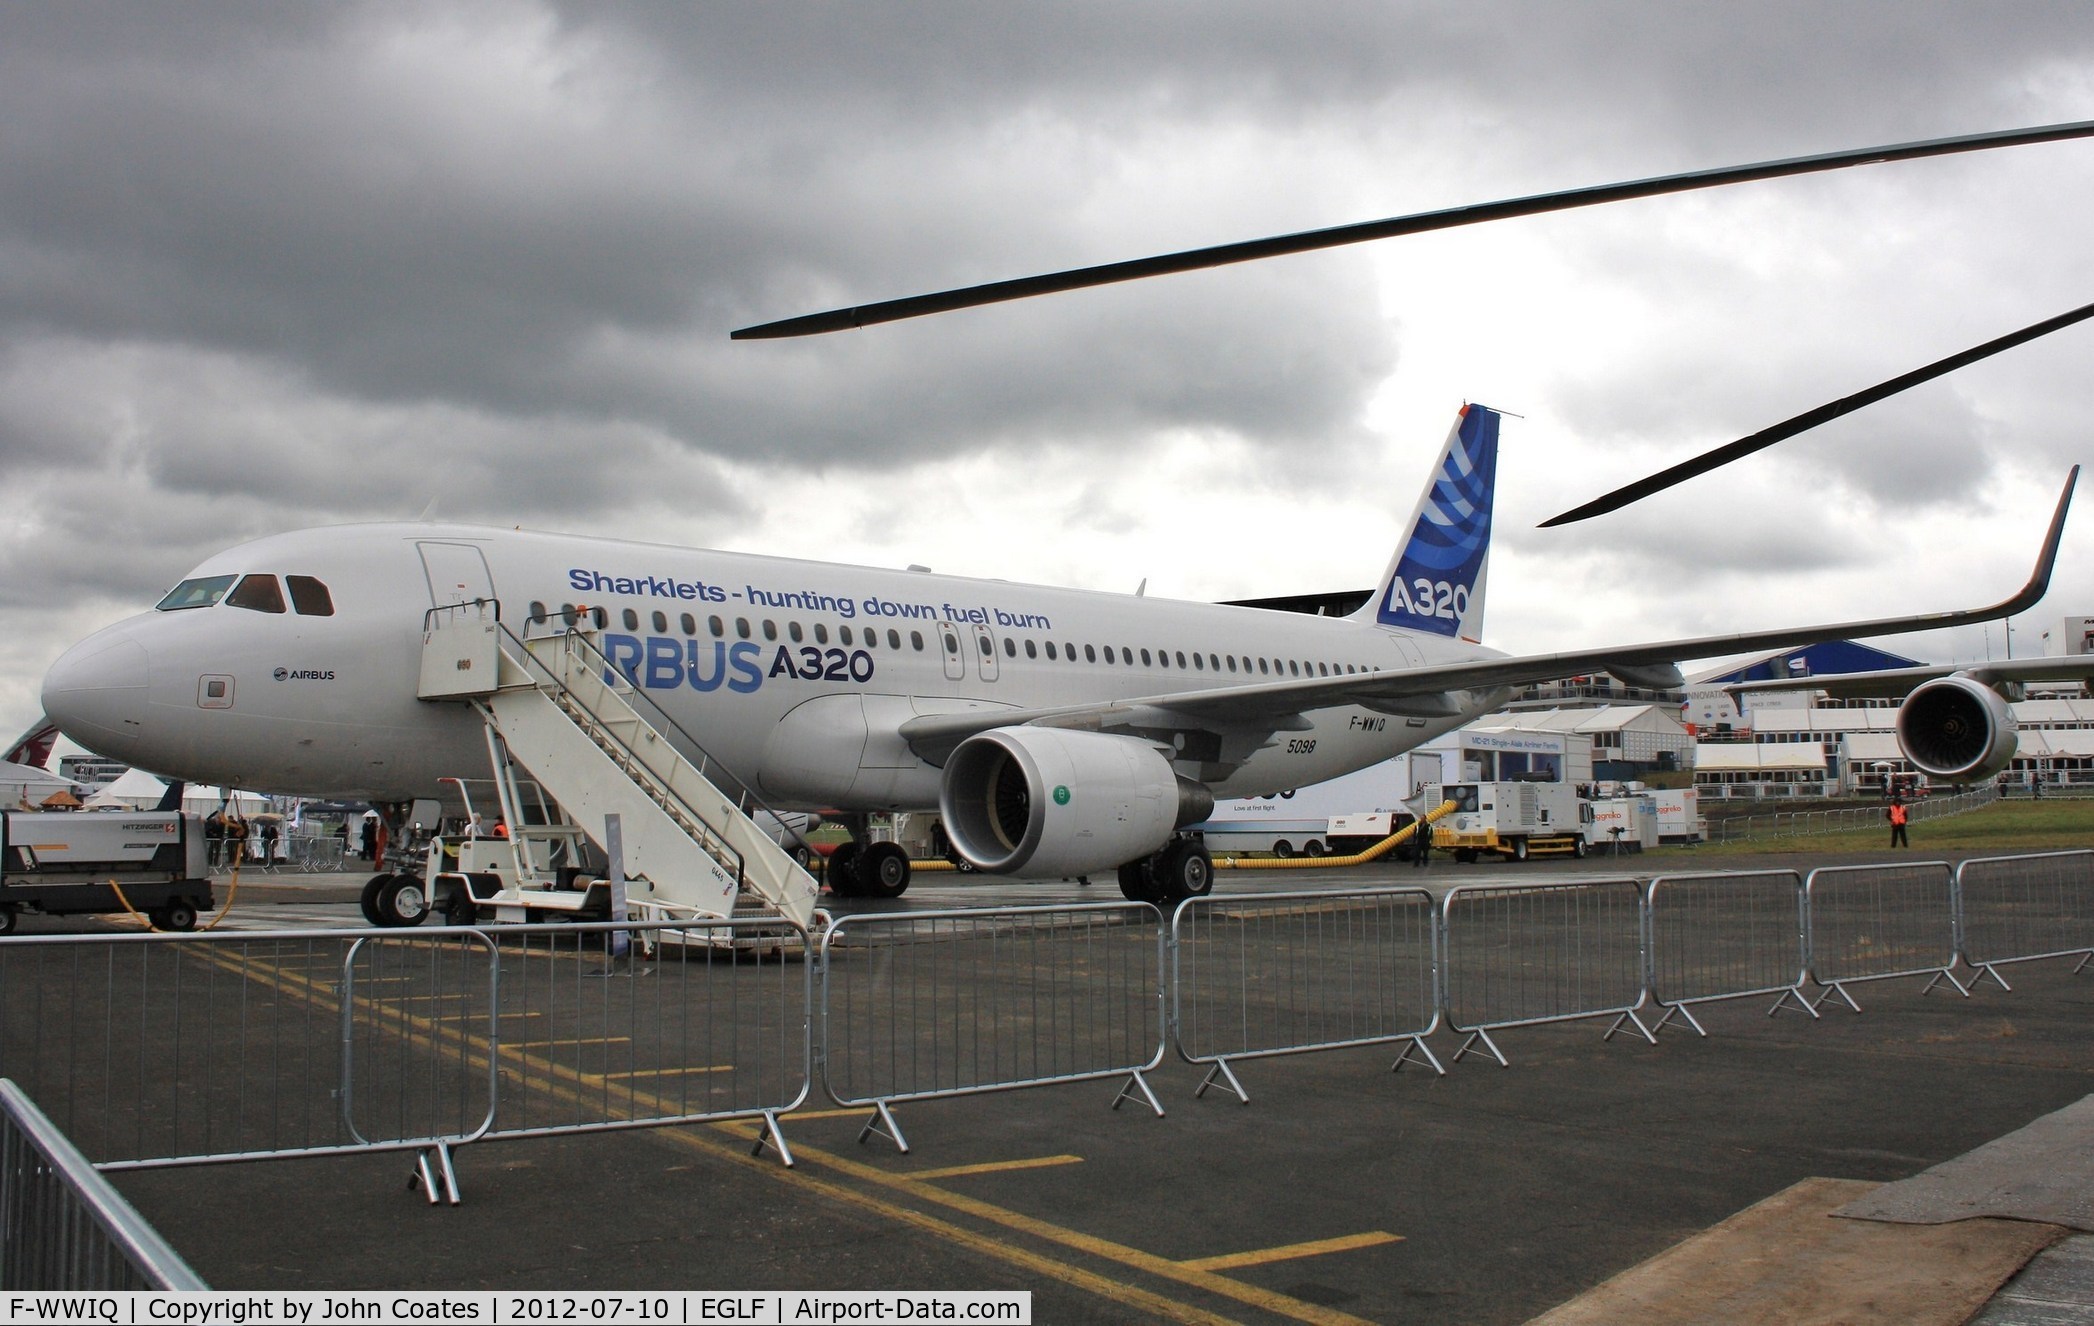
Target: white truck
(70,863)
(1513,819)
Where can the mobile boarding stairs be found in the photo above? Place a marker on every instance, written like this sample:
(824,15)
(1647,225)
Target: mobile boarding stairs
(683,847)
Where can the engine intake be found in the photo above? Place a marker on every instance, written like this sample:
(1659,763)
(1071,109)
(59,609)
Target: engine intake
(1047,801)
(1956,729)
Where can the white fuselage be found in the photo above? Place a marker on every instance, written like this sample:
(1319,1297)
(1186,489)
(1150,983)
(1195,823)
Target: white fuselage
(796,675)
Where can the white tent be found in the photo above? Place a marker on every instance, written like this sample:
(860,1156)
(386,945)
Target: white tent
(135,790)
(20,783)
(200,800)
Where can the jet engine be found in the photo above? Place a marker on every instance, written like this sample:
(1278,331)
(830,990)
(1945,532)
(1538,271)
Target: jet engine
(1047,801)
(1956,729)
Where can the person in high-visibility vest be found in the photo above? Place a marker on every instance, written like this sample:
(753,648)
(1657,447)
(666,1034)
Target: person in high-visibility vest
(1898,815)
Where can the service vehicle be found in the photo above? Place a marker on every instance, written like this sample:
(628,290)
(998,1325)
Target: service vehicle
(72,863)
(1513,820)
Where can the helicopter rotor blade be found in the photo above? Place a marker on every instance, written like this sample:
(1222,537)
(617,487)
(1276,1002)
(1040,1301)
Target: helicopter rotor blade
(944,301)
(1809,419)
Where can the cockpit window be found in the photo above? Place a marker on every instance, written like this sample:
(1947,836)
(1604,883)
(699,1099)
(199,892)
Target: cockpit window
(201,592)
(259,593)
(311,598)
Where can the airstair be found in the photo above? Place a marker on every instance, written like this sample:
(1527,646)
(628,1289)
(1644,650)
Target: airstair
(687,848)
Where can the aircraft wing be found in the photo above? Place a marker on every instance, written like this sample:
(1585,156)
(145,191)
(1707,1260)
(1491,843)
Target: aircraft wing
(1891,683)
(1262,708)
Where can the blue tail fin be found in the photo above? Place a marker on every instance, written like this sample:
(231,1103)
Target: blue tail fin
(1435,581)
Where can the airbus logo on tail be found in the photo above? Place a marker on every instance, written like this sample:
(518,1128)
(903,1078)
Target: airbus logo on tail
(1432,585)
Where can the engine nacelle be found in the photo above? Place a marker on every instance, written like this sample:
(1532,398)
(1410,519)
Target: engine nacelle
(1956,729)
(1048,801)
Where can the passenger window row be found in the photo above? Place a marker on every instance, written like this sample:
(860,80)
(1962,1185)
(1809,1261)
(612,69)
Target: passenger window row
(868,637)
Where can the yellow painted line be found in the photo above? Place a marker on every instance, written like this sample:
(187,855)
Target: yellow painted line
(992,1167)
(1266,1256)
(540,1045)
(474,1052)
(1162,1267)
(668,1072)
(828,1114)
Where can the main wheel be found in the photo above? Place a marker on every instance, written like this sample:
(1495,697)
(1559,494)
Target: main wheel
(842,871)
(459,908)
(1184,870)
(369,901)
(883,870)
(403,902)
(1137,884)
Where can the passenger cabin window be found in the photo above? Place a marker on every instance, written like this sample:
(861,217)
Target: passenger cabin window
(258,594)
(309,598)
(631,619)
(202,592)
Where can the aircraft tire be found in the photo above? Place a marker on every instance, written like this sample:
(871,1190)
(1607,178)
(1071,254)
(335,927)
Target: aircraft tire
(369,901)
(842,871)
(1137,884)
(883,871)
(1183,870)
(404,902)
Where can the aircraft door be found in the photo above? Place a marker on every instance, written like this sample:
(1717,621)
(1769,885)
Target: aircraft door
(985,648)
(955,661)
(457,573)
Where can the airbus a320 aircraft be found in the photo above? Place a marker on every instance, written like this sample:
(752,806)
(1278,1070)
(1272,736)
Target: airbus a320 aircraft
(1059,732)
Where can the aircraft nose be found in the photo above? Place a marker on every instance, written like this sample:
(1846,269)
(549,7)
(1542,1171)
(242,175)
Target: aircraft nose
(96,692)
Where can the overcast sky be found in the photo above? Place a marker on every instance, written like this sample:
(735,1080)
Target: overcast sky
(270,266)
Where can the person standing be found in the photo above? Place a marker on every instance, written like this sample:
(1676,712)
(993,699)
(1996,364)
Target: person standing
(1423,854)
(1898,814)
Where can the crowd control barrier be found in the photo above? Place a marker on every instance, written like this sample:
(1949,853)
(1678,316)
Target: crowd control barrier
(157,1050)
(62,1225)
(1524,955)
(1725,935)
(1877,923)
(1288,973)
(2022,908)
(921,1005)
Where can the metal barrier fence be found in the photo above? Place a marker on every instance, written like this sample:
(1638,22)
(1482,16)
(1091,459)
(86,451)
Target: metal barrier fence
(1875,923)
(158,1050)
(1524,955)
(1287,973)
(1725,935)
(2021,908)
(62,1226)
(929,1004)
(1805,823)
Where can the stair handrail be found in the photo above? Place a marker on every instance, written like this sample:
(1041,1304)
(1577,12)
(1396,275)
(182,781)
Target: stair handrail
(743,796)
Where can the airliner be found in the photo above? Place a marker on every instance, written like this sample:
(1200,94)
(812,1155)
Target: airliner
(1057,732)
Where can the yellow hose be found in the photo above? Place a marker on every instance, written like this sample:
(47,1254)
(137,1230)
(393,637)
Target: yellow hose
(232,889)
(1374,853)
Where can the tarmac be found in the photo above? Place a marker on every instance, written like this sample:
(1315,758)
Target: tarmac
(1736,1177)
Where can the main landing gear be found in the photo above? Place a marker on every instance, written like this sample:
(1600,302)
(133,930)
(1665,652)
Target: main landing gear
(1181,870)
(861,869)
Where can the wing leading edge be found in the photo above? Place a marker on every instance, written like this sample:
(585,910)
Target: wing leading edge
(1427,690)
